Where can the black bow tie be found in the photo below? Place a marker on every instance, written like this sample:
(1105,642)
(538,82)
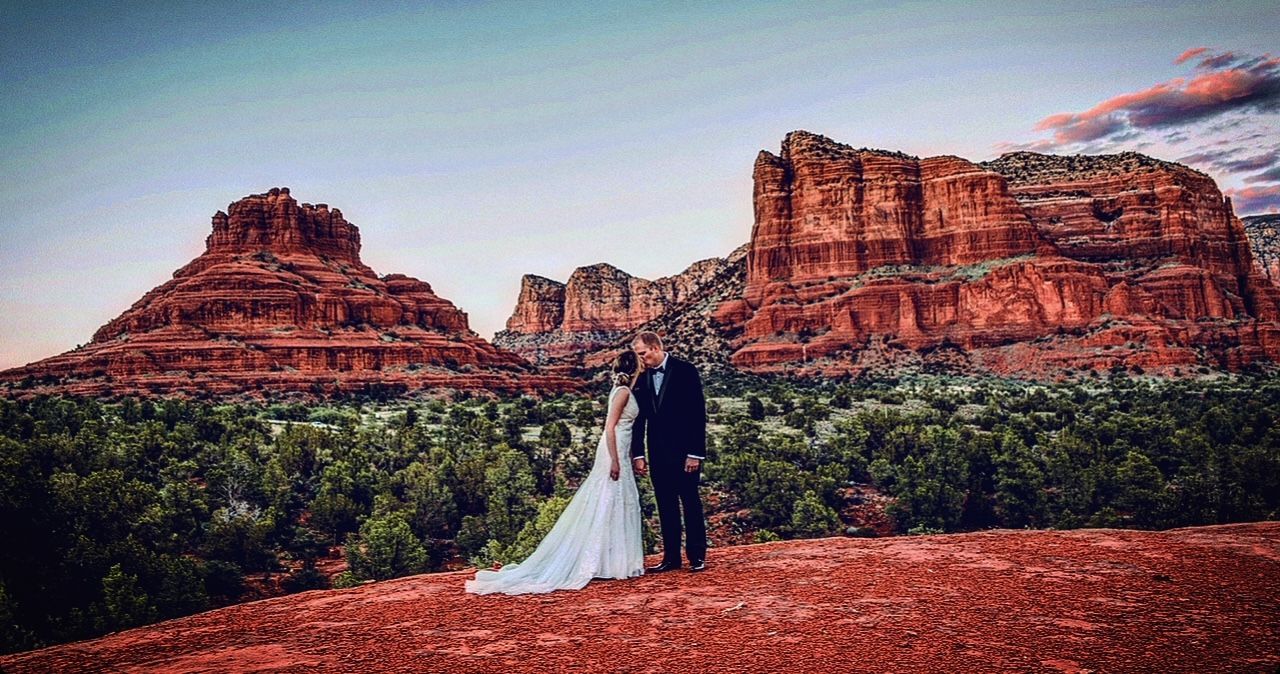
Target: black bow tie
(660,368)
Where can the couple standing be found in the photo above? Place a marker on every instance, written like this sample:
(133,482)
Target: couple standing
(599,533)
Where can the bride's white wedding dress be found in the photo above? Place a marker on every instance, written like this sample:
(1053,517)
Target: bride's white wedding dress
(597,535)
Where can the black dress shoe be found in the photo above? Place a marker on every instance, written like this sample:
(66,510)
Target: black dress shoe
(699,565)
(665,566)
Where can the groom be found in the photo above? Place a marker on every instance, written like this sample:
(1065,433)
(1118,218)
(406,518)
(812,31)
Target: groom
(674,412)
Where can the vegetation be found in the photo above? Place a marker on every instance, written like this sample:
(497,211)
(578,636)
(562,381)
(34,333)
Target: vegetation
(117,514)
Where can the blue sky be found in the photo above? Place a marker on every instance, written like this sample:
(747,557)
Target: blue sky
(476,142)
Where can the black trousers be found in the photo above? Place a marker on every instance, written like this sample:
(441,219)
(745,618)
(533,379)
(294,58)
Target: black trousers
(676,490)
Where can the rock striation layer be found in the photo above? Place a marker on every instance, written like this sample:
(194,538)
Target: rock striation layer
(1029,265)
(599,305)
(864,260)
(1103,600)
(280,300)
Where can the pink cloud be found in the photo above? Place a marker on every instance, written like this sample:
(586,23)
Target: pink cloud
(1271,175)
(1226,85)
(1260,199)
(1218,61)
(1189,54)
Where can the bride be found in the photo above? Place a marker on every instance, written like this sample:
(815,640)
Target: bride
(598,534)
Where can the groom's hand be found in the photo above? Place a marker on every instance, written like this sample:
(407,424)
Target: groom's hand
(637,465)
(691,464)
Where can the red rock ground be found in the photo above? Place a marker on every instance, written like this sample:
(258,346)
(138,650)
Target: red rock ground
(1195,600)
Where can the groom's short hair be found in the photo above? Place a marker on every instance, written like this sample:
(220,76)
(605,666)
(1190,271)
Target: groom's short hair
(649,338)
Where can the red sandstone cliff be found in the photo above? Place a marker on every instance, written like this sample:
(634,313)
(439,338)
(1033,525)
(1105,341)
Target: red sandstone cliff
(281,300)
(1027,265)
(599,305)
(866,260)
(1187,600)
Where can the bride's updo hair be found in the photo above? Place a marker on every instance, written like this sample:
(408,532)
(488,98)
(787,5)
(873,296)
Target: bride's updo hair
(624,367)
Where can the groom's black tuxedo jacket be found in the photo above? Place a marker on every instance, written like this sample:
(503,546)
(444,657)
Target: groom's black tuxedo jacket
(675,420)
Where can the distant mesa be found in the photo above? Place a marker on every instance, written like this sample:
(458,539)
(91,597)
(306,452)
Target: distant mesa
(871,261)
(280,300)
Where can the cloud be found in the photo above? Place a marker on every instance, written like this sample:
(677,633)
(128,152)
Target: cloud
(1206,157)
(1260,199)
(1229,160)
(1254,163)
(1189,54)
(1044,145)
(1073,129)
(1268,176)
(1219,61)
(1221,84)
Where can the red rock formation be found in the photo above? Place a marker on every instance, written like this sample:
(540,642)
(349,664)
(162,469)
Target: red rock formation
(1025,265)
(280,300)
(540,307)
(1164,220)
(826,210)
(1263,232)
(599,305)
(1187,600)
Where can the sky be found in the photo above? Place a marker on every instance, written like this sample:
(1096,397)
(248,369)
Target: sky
(473,143)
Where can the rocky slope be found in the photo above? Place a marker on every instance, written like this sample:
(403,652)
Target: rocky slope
(1264,238)
(689,328)
(598,306)
(1027,265)
(280,300)
(1032,265)
(1185,600)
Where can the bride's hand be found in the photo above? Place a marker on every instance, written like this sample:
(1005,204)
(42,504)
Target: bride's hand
(614,470)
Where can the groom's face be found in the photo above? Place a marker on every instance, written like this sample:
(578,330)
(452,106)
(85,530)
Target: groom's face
(650,356)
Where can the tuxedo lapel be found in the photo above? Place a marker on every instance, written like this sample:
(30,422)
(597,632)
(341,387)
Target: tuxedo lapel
(667,378)
(646,383)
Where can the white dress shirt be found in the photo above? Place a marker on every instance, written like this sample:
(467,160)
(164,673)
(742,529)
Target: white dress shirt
(659,376)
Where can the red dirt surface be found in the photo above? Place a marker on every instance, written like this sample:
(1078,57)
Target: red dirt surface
(1194,600)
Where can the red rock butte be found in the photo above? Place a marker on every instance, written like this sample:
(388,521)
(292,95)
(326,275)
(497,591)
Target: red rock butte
(280,300)
(1029,262)
(1030,265)
(1202,599)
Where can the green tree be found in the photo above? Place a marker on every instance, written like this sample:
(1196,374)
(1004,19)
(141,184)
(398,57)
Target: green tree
(510,491)
(124,603)
(930,491)
(335,510)
(1140,488)
(554,438)
(425,489)
(1019,484)
(536,529)
(238,534)
(811,517)
(385,548)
